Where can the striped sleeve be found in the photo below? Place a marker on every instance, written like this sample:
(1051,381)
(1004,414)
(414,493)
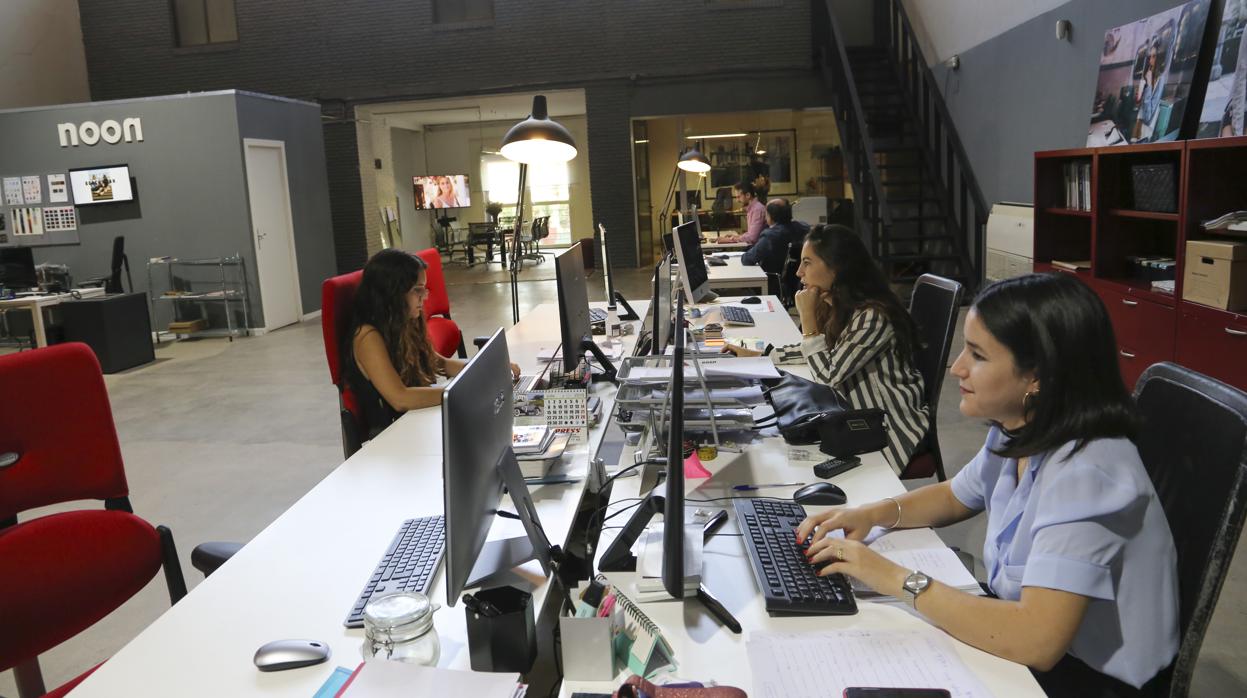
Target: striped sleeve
(868,333)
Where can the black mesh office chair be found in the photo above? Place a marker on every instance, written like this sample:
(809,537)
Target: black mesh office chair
(933,307)
(539,230)
(112,282)
(1194,446)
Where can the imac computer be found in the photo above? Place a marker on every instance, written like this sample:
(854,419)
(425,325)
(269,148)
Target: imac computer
(477,462)
(661,310)
(670,504)
(686,242)
(613,297)
(574,330)
(17,268)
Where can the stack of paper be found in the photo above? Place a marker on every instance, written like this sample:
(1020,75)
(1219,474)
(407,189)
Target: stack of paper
(531,439)
(920,549)
(816,665)
(382,678)
(649,562)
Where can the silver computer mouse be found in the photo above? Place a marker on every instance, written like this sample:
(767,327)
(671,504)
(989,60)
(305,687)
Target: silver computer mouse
(290,654)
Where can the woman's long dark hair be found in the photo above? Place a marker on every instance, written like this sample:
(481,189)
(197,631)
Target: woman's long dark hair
(1057,327)
(381,301)
(859,283)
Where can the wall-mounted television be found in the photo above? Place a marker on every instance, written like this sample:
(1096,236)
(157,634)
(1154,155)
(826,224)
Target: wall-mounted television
(101,185)
(441,191)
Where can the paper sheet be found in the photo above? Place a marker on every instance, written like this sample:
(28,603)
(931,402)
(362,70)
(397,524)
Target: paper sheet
(747,368)
(918,549)
(816,665)
(381,678)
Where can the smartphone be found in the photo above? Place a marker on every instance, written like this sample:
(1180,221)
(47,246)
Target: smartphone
(896,693)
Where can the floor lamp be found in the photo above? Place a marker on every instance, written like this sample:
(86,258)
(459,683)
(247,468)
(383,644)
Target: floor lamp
(537,139)
(691,161)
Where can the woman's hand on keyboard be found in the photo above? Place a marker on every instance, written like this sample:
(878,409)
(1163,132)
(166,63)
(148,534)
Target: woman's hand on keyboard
(856,523)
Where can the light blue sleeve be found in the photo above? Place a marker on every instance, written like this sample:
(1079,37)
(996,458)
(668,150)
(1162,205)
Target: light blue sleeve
(1086,513)
(970,486)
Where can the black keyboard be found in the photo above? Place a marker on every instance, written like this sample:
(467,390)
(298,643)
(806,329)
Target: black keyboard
(408,564)
(787,579)
(716,262)
(597,315)
(736,315)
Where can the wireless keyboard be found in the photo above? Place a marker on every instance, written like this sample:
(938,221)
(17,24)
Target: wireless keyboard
(408,564)
(788,581)
(736,315)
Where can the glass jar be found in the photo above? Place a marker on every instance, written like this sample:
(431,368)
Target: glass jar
(400,627)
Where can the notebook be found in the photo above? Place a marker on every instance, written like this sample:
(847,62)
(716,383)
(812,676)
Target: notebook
(638,642)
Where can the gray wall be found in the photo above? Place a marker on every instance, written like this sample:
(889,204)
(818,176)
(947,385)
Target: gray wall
(190,186)
(298,125)
(1024,91)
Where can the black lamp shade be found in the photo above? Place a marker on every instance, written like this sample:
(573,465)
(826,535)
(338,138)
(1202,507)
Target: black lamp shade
(693,161)
(538,138)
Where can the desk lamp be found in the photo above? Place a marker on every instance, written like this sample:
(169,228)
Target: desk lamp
(535,140)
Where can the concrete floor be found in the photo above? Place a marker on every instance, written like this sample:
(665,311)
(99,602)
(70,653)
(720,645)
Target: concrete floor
(219,438)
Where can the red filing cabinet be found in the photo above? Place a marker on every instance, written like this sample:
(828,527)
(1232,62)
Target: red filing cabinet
(1213,342)
(1144,330)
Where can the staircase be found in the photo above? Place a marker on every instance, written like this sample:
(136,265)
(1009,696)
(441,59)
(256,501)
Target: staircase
(917,203)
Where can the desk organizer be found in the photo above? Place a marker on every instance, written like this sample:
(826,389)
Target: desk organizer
(507,642)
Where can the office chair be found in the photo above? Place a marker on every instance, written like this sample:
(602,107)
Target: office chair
(482,234)
(337,296)
(1194,446)
(62,572)
(112,282)
(446,336)
(933,307)
(539,230)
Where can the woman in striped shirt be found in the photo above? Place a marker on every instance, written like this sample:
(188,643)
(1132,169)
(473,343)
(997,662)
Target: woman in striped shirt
(856,336)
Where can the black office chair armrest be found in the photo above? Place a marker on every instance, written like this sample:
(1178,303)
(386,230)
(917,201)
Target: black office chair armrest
(207,557)
(480,342)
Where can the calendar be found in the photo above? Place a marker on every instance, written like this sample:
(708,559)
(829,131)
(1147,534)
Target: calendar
(567,412)
(27,221)
(59,218)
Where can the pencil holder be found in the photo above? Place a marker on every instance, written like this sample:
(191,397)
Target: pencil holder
(505,642)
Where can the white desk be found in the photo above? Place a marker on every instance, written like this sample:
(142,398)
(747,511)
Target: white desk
(714,246)
(36,304)
(299,576)
(737,275)
(706,650)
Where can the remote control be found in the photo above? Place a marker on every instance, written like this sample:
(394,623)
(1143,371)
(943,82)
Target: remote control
(833,467)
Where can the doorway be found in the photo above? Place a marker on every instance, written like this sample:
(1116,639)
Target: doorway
(268,191)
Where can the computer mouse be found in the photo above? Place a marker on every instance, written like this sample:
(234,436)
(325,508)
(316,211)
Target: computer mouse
(290,654)
(751,300)
(823,493)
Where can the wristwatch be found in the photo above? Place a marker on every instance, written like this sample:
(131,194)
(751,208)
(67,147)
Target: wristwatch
(915,584)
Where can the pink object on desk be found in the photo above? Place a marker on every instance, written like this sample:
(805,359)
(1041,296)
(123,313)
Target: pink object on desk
(693,469)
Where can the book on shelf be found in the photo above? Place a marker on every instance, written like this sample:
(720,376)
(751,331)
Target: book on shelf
(1076,265)
(1077,186)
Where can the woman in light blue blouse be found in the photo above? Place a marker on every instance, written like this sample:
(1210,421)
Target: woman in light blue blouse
(1081,564)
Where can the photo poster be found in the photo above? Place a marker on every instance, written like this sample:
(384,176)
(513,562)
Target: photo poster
(1146,70)
(32,189)
(441,191)
(759,154)
(13,191)
(58,190)
(1226,99)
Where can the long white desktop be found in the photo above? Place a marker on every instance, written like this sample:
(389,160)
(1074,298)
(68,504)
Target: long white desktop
(298,577)
(736,275)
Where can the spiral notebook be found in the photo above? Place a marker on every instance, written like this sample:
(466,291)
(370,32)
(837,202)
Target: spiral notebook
(638,642)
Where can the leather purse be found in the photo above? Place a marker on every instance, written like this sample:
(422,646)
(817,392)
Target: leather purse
(807,412)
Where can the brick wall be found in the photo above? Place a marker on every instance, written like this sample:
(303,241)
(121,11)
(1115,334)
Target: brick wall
(347,53)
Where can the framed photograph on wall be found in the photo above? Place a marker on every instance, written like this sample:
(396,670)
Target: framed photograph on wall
(772,154)
(1146,69)
(1226,99)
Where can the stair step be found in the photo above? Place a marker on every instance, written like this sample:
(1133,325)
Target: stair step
(913,199)
(903,183)
(916,238)
(921,257)
(883,91)
(916,219)
(897,148)
(897,165)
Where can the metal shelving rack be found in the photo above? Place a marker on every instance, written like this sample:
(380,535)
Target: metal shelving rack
(228,290)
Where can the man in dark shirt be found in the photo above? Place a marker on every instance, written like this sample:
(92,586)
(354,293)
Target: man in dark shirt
(771,250)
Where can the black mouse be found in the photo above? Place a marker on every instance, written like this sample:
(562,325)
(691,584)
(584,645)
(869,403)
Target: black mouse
(822,493)
(751,300)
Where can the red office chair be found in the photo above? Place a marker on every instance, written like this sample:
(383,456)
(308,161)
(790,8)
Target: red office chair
(337,297)
(446,336)
(60,573)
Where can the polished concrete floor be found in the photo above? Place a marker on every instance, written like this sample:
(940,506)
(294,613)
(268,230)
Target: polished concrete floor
(219,438)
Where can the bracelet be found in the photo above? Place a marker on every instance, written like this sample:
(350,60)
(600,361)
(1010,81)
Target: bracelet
(898,511)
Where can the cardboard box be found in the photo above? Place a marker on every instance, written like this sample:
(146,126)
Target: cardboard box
(1216,274)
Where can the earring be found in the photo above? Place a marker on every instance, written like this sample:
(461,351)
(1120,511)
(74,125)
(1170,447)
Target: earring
(1030,395)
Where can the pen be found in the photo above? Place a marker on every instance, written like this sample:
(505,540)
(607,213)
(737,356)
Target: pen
(751,488)
(717,610)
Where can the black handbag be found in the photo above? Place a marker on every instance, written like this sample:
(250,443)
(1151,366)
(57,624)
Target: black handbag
(807,412)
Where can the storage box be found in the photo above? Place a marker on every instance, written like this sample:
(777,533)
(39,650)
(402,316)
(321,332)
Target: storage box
(1216,274)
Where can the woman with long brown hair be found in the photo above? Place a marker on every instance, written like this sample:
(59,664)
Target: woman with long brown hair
(856,336)
(390,364)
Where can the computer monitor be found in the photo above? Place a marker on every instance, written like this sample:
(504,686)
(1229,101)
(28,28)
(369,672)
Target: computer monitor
(670,503)
(441,192)
(693,274)
(17,268)
(574,329)
(613,296)
(661,312)
(477,462)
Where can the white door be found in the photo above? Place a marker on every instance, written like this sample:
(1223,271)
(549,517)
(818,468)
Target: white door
(271,226)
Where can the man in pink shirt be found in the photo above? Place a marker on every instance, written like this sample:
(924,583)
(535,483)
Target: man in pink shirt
(755,214)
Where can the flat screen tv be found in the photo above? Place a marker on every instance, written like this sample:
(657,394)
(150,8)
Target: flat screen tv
(101,185)
(441,191)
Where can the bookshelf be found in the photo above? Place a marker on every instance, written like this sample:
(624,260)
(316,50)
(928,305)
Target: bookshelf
(1149,325)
